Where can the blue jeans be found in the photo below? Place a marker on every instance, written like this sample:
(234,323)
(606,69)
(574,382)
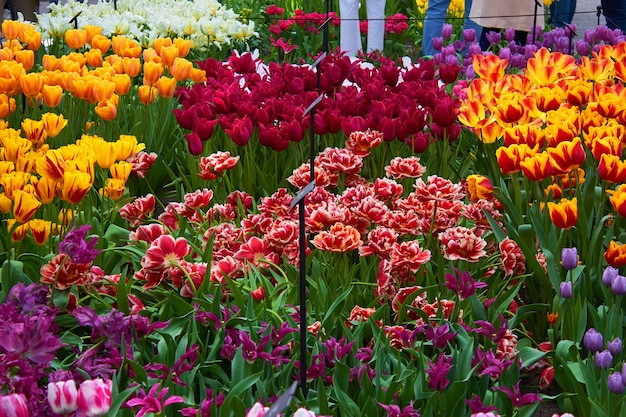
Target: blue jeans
(562,12)
(435,18)
(615,14)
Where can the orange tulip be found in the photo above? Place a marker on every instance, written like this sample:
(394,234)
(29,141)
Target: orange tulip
(101,43)
(6,54)
(166,86)
(548,99)
(103,89)
(11,29)
(52,165)
(82,88)
(75,186)
(609,145)
(197,75)
(45,189)
(31,39)
(181,69)
(596,70)
(26,58)
(122,84)
(75,38)
(151,72)
(553,191)
(151,55)
(159,43)
(90,32)
(615,254)
(183,45)
(25,205)
(168,54)
(564,215)
(537,167)
(618,199)
(40,229)
(510,108)
(106,110)
(31,84)
(94,58)
(527,133)
(131,66)
(52,95)
(147,94)
(7,106)
(579,92)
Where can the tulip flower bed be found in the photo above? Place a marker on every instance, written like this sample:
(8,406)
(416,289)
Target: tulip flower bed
(464,236)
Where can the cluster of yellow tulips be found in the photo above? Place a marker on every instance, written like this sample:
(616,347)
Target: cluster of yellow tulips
(97,70)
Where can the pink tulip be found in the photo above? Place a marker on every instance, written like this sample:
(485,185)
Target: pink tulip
(94,397)
(13,405)
(257,410)
(62,396)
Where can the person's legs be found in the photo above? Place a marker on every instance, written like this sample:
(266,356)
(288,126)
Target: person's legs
(375,25)
(562,12)
(349,33)
(615,14)
(433,24)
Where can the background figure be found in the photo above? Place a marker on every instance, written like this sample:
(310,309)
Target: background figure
(615,14)
(494,15)
(27,7)
(435,18)
(350,34)
(562,12)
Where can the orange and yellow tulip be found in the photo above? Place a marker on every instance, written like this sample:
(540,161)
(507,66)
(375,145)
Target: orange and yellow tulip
(183,45)
(121,170)
(564,214)
(53,123)
(18,231)
(5,204)
(489,66)
(166,86)
(160,43)
(75,186)
(11,29)
(567,156)
(101,43)
(181,69)
(131,66)
(122,84)
(90,32)
(45,189)
(35,131)
(40,229)
(612,169)
(615,254)
(26,58)
(52,95)
(618,199)
(479,188)
(151,72)
(52,165)
(168,54)
(31,84)
(114,189)
(25,205)
(537,167)
(510,157)
(128,146)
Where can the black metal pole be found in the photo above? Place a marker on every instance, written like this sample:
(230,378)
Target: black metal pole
(303,321)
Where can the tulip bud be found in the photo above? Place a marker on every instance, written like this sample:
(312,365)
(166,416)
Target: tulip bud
(615,383)
(609,275)
(13,405)
(593,340)
(604,359)
(62,396)
(258,294)
(94,397)
(618,286)
(566,289)
(569,258)
(615,346)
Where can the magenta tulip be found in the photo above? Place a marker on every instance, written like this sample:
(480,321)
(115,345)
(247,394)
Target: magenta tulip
(13,405)
(94,397)
(62,396)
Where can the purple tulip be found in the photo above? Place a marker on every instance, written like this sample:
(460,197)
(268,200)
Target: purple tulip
(618,286)
(446,31)
(509,34)
(469,35)
(493,37)
(593,340)
(615,346)
(609,275)
(566,289)
(615,383)
(604,359)
(437,43)
(569,258)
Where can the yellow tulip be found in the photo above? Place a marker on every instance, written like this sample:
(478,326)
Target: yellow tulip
(75,186)
(121,170)
(53,123)
(52,165)
(114,189)
(40,229)
(45,189)
(25,205)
